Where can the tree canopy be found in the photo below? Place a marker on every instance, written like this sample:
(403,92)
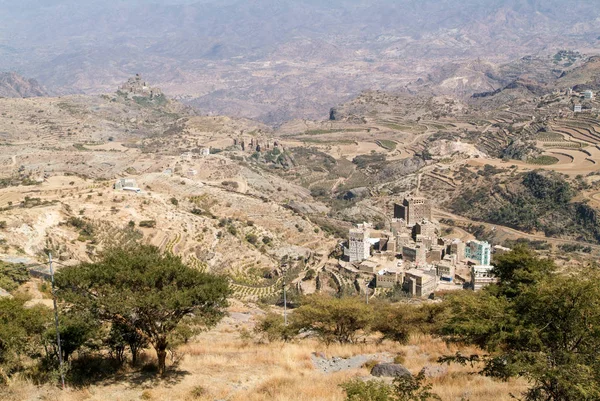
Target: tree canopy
(536,324)
(146,290)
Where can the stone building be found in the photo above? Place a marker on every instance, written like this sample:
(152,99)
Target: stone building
(124,183)
(458,248)
(359,246)
(413,210)
(420,283)
(446,270)
(386,279)
(415,253)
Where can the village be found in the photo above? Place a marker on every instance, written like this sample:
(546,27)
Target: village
(415,256)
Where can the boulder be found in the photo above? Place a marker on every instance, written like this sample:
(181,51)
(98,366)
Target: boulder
(389,370)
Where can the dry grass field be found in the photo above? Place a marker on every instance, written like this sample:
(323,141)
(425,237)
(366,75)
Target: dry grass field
(223,365)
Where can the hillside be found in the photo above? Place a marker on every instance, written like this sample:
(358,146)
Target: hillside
(14,85)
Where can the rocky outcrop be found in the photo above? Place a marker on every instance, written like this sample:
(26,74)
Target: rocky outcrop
(389,370)
(15,86)
(402,168)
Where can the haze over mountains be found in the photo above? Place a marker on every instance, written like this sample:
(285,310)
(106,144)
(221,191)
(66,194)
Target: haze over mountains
(276,60)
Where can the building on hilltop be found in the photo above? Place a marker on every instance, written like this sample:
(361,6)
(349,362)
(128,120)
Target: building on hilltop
(577,108)
(446,269)
(588,95)
(137,87)
(416,254)
(482,276)
(413,210)
(479,251)
(426,229)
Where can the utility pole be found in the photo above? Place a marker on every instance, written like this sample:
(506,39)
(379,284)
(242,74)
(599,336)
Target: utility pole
(367,290)
(60,358)
(284,270)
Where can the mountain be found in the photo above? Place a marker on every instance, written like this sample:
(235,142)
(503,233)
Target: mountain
(14,85)
(273,59)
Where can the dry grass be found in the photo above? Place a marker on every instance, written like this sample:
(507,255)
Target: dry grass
(219,365)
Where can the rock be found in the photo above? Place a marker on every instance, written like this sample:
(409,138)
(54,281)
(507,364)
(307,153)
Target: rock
(434,371)
(357,193)
(389,370)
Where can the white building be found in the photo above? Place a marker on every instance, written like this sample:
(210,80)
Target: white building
(577,108)
(359,244)
(588,95)
(482,276)
(123,183)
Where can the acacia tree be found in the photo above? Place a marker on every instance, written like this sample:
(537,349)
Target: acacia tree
(333,319)
(536,324)
(144,289)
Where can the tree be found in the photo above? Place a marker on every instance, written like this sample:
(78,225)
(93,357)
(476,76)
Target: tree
(333,319)
(21,331)
(77,329)
(12,275)
(541,326)
(519,269)
(393,322)
(146,290)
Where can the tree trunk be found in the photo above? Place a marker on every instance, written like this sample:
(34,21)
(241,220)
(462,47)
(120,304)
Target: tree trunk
(162,356)
(134,355)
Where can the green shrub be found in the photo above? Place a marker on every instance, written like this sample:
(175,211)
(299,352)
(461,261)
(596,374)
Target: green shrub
(148,223)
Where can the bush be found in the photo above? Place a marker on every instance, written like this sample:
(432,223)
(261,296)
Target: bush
(148,223)
(252,238)
(174,201)
(404,388)
(198,392)
(271,328)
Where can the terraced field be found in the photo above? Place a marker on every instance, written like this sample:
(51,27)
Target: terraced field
(249,293)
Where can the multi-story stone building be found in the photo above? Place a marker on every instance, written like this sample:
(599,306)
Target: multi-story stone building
(413,210)
(446,270)
(416,254)
(458,248)
(359,246)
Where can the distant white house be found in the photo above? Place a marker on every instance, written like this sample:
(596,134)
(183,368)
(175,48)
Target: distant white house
(127,184)
(577,108)
(588,95)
